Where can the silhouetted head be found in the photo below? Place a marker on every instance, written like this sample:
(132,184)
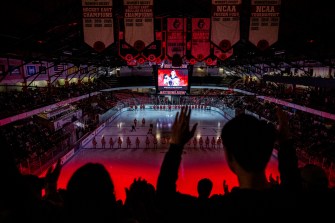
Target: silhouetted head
(90,191)
(140,192)
(35,183)
(313,178)
(204,188)
(249,142)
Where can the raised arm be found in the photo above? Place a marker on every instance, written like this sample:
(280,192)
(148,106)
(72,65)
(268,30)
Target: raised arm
(181,134)
(287,158)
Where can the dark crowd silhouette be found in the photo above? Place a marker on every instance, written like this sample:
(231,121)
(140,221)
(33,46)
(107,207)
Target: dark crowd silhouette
(248,143)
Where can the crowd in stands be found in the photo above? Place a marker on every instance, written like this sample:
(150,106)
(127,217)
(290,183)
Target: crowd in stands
(27,139)
(312,97)
(33,144)
(315,135)
(299,193)
(90,191)
(305,126)
(16,102)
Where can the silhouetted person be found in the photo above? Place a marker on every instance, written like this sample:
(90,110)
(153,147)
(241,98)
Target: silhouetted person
(140,202)
(90,195)
(103,142)
(219,142)
(204,188)
(155,142)
(147,142)
(176,207)
(111,143)
(137,143)
(213,142)
(195,142)
(318,198)
(248,144)
(133,129)
(94,143)
(201,143)
(119,142)
(207,142)
(314,178)
(128,143)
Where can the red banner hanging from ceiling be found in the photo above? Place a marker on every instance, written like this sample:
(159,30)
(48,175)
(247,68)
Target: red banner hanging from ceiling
(200,38)
(176,36)
(264,22)
(225,30)
(98,23)
(222,55)
(139,23)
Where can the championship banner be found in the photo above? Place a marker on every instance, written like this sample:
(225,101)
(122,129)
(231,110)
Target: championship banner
(225,31)
(98,23)
(264,22)
(222,55)
(200,38)
(139,23)
(176,36)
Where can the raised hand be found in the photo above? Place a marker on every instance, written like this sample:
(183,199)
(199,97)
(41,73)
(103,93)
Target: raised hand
(283,125)
(51,179)
(181,133)
(225,187)
(272,180)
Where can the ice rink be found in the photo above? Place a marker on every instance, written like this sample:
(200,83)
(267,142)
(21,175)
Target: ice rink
(125,164)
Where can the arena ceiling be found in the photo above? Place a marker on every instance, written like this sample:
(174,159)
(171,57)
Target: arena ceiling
(51,30)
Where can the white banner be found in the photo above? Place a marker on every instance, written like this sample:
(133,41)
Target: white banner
(264,22)
(98,23)
(139,23)
(225,31)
